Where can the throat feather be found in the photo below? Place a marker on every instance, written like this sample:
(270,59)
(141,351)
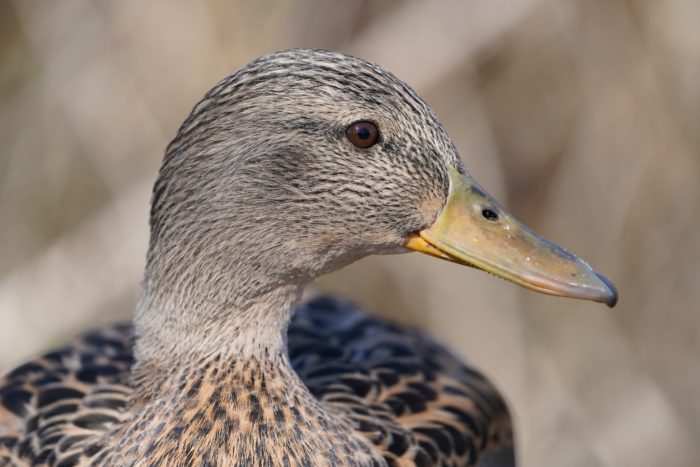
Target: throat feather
(241,412)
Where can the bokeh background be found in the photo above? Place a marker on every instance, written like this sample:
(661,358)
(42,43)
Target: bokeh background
(581,116)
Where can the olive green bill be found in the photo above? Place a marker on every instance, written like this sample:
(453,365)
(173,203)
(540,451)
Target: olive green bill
(474,230)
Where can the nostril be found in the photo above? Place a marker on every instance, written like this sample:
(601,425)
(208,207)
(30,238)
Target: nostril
(489,214)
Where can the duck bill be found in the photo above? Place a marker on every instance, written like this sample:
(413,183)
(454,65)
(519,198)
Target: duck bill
(474,230)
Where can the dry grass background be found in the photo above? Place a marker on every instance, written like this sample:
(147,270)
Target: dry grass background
(580,115)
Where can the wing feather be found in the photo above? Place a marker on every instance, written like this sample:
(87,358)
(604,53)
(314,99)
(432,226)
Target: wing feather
(412,398)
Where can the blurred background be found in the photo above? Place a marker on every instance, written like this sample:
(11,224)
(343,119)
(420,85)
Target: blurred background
(581,116)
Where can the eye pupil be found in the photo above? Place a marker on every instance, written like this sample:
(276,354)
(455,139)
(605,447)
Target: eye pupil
(489,215)
(362,134)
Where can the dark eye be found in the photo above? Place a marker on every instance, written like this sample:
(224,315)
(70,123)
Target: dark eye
(489,215)
(363,134)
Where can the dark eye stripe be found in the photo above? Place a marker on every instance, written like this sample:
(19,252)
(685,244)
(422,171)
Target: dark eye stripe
(363,134)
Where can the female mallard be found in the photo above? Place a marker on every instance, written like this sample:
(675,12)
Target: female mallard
(298,164)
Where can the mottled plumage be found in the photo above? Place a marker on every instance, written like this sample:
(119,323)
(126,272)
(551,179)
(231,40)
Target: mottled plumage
(408,396)
(259,193)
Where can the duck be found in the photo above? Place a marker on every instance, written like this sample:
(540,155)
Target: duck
(296,165)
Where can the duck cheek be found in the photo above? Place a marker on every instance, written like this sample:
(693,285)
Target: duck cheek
(430,208)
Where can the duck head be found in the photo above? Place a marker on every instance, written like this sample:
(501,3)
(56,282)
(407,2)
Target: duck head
(304,161)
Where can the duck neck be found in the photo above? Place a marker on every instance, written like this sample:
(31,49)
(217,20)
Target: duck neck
(172,330)
(225,391)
